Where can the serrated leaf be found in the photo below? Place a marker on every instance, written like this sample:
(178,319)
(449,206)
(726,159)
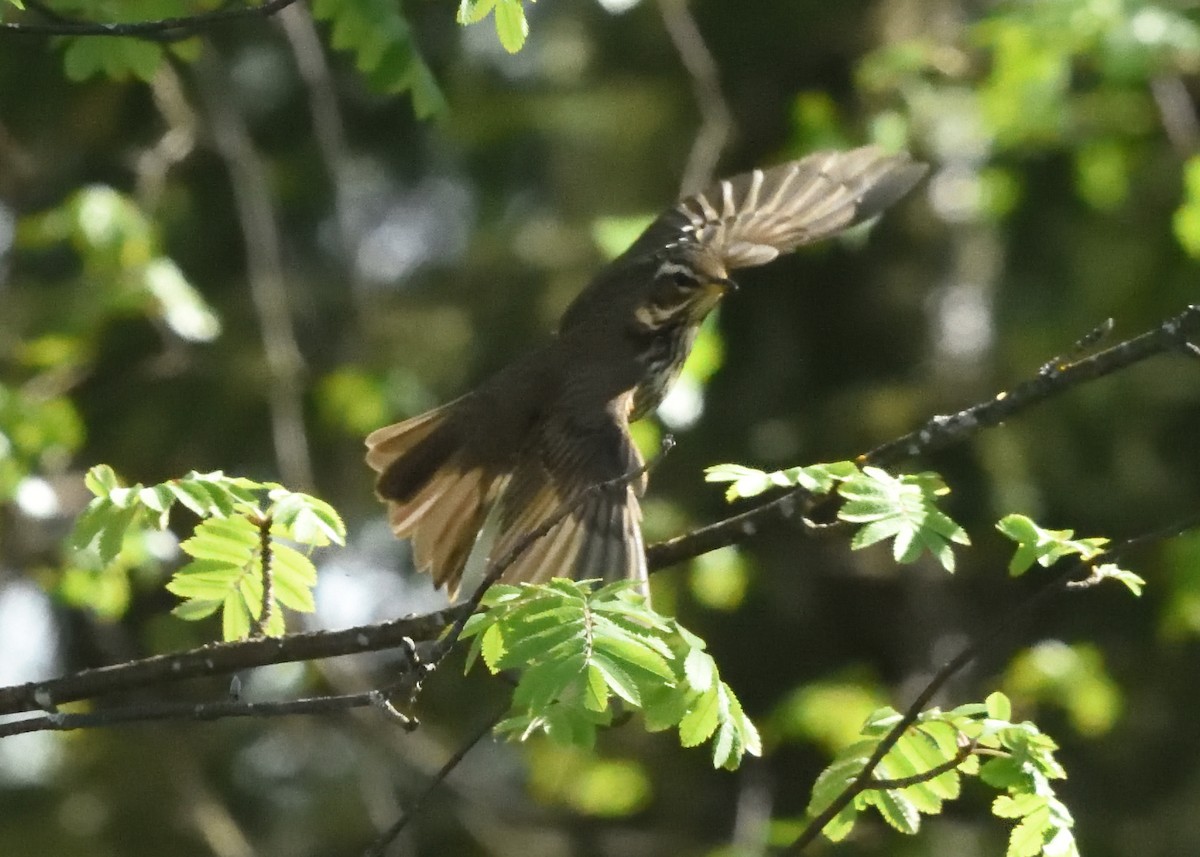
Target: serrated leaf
(511,26)
(90,522)
(112,534)
(634,654)
(1028,836)
(701,721)
(474,11)
(305,519)
(616,678)
(1131,581)
(492,647)
(542,685)
(595,689)
(1017,806)
(526,648)
(195,609)
(896,809)
(1003,773)
(235,617)
(700,669)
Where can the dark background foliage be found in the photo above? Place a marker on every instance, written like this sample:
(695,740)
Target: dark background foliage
(416,257)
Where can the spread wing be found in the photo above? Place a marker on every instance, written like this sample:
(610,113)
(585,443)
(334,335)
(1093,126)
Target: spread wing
(752,218)
(576,463)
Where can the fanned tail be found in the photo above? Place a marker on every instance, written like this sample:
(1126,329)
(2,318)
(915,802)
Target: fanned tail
(434,496)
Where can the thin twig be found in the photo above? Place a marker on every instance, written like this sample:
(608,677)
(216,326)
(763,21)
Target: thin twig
(1005,624)
(60,27)
(925,776)
(716,119)
(376,848)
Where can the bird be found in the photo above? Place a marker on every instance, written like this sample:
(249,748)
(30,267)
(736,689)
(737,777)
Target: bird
(545,443)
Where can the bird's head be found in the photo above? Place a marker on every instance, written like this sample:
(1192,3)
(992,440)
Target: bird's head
(688,282)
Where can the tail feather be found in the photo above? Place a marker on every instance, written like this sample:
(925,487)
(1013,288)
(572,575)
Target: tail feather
(432,496)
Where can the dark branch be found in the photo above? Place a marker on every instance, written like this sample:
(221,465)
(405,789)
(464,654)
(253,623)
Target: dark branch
(1172,336)
(64,722)
(1004,625)
(61,27)
(223,659)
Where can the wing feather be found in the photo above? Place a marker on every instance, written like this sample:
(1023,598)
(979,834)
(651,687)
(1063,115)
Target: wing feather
(570,468)
(752,218)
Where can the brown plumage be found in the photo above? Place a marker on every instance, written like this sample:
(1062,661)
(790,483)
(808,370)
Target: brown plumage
(552,427)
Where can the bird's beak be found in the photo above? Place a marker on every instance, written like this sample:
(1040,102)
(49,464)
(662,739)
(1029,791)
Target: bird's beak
(728,284)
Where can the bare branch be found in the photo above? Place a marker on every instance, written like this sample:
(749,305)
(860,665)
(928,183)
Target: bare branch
(164,26)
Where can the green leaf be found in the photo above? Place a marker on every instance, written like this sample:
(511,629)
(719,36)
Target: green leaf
(306,519)
(101,480)
(998,706)
(903,508)
(1029,835)
(195,609)
(616,678)
(700,669)
(896,809)
(596,695)
(378,35)
(634,654)
(493,647)
(1131,581)
(1046,547)
(748,482)
(576,645)
(698,725)
(235,617)
(474,11)
(294,577)
(511,26)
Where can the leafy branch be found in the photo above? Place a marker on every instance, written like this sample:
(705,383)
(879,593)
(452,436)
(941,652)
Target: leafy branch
(1172,336)
(924,767)
(238,567)
(902,508)
(819,820)
(578,648)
